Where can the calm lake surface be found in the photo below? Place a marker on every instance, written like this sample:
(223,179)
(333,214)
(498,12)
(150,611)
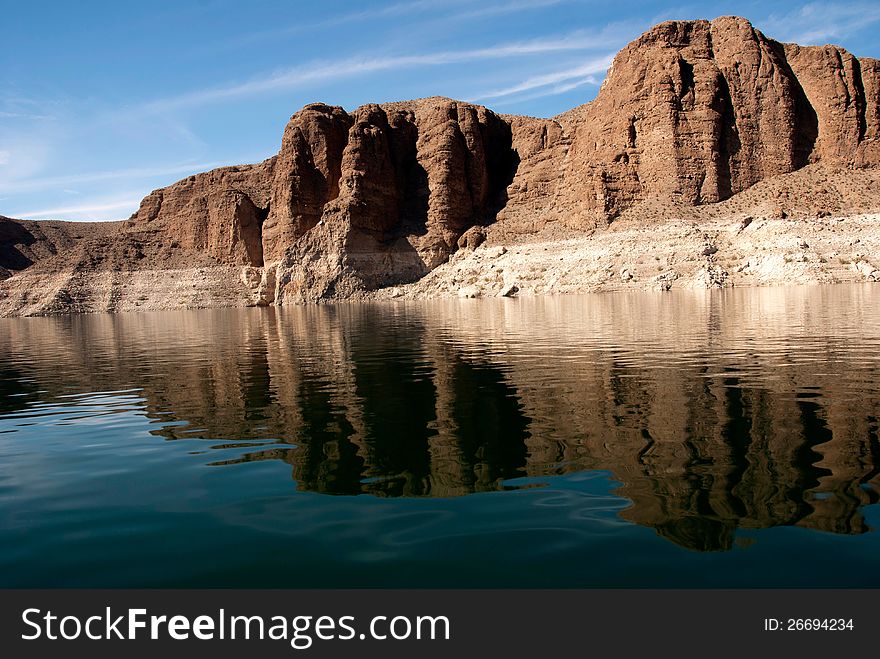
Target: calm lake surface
(712,438)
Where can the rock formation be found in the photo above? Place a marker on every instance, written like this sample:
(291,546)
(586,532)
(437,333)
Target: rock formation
(220,212)
(24,243)
(691,112)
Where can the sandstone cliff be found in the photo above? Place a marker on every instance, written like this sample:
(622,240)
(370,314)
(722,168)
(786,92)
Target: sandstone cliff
(691,113)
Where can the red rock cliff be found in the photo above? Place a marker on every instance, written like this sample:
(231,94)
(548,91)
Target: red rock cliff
(695,111)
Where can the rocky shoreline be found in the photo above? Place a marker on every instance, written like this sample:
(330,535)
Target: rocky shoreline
(668,255)
(662,257)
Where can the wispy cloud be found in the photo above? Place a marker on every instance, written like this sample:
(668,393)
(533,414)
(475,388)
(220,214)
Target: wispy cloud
(134,173)
(358,65)
(14,105)
(556,82)
(23,156)
(450,10)
(504,8)
(23,115)
(817,23)
(91,211)
(388,11)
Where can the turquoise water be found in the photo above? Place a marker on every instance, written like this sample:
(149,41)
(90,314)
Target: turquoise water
(723,438)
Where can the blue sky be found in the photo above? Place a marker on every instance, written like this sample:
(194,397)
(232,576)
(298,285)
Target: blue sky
(101,102)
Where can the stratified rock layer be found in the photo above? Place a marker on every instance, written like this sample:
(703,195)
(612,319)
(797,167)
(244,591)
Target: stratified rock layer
(693,112)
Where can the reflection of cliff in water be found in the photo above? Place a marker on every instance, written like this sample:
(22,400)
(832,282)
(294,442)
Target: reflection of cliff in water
(715,412)
(376,409)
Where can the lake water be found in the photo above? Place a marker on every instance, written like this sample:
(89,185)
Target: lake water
(712,438)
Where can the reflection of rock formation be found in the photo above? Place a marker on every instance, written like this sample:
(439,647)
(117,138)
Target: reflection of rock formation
(715,412)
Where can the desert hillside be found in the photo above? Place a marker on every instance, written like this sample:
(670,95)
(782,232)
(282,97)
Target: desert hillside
(712,156)
(24,243)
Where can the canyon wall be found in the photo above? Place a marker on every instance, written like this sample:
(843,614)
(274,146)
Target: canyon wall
(356,200)
(694,111)
(690,113)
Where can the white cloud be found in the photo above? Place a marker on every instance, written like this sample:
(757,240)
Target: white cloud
(23,155)
(100,210)
(557,81)
(23,115)
(400,9)
(349,67)
(818,23)
(50,182)
(506,8)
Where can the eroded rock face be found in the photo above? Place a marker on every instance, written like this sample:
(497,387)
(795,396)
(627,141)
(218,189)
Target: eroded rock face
(306,175)
(220,212)
(413,178)
(691,111)
(699,111)
(843,91)
(696,111)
